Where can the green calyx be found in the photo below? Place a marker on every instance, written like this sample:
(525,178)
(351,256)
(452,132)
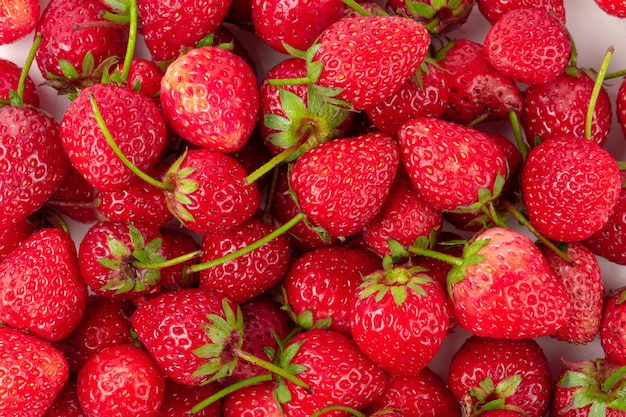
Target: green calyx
(180,186)
(398,281)
(488,396)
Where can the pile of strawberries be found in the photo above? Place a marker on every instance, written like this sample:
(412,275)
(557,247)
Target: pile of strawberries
(308,239)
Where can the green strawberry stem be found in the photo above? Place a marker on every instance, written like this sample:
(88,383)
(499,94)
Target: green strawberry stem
(597,87)
(274,369)
(453,260)
(517,133)
(615,74)
(491,211)
(229,390)
(350,410)
(255,245)
(170,262)
(289,81)
(48,212)
(524,221)
(17,98)
(356,7)
(132,39)
(273,162)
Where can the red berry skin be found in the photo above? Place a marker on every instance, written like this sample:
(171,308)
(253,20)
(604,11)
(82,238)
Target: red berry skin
(324,281)
(17,19)
(500,359)
(210,97)
(387,50)
(249,275)
(179,399)
(341,185)
(32,162)
(620,106)
(613,328)
(529,45)
(178,242)
(33,374)
(75,197)
(144,76)
(570,187)
(41,290)
(66,402)
(9,78)
(421,395)
(120,380)
(495,9)
(13,235)
(255,400)
(612,7)
(559,108)
(297,24)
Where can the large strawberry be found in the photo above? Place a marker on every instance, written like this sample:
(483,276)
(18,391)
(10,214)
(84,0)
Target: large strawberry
(341,185)
(529,45)
(41,290)
(33,373)
(17,19)
(210,97)
(570,186)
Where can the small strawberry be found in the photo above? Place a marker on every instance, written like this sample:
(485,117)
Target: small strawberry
(17,19)
(529,45)
(612,7)
(399,318)
(144,76)
(210,97)
(120,380)
(501,373)
(570,187)
(438,17)
(41,290)
(341,185)
(613,327)
(494,9)
(321,283)
(33,374)
(10,75)
(451,166)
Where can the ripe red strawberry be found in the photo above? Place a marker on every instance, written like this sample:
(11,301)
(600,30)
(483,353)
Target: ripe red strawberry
(33,373)
(560,107)
(341,185)
(438,17)
(421,395)
(85,52)
(336,371)
(178,242)
(494,9)
(477,91)
(424,94)
(41,290)
(399,318)
(610,240)
(209,192)
(569,186)
(75,197)
(17,19)
(66,402)
(169,29)
(386,51)
(500,373)
(33,163)
(144,76)
(452,166)
(297,24)
(612,7)
(587,388)
(178,399)
(529,45)
(257,399)
(620,106)
(321,283)
(13,235)
(249,275)
(583,281)
(120,380)
(9,78)
(139,132)
(210,97)
(613,327)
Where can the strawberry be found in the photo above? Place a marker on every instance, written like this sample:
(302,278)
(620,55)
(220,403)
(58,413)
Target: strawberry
(500,374)
(620,106)
(120,380)
(170,29)
(33,163)
(583,281)
(560,107)
(41,290)
(66,402)
(433,149)
(17,19)
(494,9)
(569,186)
(297,24)
(77,44)
(178,242)
(477,91)
(257,399)
(178,399)
(144,76)
(139,132)
(75,197)
(321,283)
(386,51)
(13,235)
(210,97)
(249,275)
(421,395)
(341,185)
(586,387)
(10,75)
(403,309)
(529,45)
(33,374)
(612,7)
(613,328)
(438,17)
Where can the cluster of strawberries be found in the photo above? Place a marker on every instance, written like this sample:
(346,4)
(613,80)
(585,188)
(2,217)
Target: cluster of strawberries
(303,240)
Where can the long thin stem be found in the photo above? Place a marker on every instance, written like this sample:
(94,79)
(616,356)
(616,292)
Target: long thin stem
(132,39)
(28,64)
(269,165)
(289,81)
(517,132)
(229,390)
(275,369)
(356,7)
(355,413)
(453,260)
(597,87)
(170,262)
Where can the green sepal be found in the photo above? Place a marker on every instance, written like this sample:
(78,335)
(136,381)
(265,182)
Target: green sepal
(67,69)
(470,257)
(296,53)
(419,8)
(109,263)
(507,387)
(276,122)
(439,4)
(14,99)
